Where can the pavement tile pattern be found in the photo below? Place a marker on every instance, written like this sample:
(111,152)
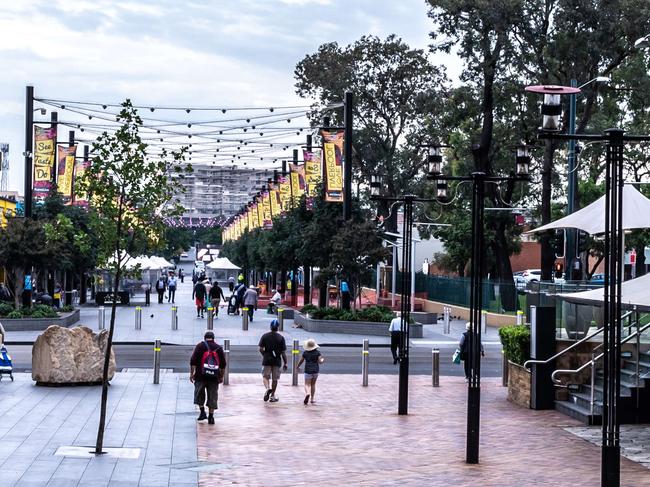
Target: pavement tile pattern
(634,439)
(353,436)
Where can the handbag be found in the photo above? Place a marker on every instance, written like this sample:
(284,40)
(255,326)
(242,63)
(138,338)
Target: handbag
(455,358)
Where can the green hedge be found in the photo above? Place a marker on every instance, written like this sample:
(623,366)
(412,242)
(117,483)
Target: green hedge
(38,311)
(516,343)
(377,314)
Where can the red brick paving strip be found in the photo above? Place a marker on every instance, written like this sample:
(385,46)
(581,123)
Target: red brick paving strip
(353,436)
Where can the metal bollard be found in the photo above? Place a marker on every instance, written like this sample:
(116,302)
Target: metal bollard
(147,297)
(174,317)
(101,318)
(210,318)
(520,317)
(294,362)
(281,318)
(156,362)
(365,360)
(138,318)
(244,319)
(435,367)
(483,322)
(226,352)
(446,323)
(504,369)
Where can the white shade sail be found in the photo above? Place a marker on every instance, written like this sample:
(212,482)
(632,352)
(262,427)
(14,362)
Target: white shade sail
(591,219)
(634,292)
(222,263)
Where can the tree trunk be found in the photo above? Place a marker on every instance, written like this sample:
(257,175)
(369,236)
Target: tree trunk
(323,299)
(640,262)
(82,290)
(307,285)
(504,270)
(548,254)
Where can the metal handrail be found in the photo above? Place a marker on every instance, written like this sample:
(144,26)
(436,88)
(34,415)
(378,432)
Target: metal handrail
(562,352)
(595,359)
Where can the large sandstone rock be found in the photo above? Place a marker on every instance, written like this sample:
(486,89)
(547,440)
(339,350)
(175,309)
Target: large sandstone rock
(70,356)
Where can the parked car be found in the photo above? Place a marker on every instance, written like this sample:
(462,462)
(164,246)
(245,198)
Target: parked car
(520,282)
(184,255)
(597,279)
(532,275)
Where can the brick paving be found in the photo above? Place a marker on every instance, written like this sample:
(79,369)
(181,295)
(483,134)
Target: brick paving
(353,436)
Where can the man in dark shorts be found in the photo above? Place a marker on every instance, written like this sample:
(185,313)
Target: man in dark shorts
(216,295)
(206,389)
(198,294)
(273,349)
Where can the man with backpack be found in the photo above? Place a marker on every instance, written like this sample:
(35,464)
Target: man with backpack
(161,285)
(207,364)
(273,349)
(171,284)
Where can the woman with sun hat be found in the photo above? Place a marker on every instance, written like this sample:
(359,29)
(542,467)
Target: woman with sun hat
(312,358)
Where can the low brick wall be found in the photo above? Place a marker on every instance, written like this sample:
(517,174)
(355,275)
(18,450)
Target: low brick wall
(31,324)
(519,380)
(351,327)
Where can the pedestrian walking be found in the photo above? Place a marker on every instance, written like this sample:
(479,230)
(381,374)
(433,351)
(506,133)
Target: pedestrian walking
(160,288)
(250,301)
(206,372)
(345,294)
(198,294)
(464,347)
(231,284)
(216,295)
(181,275)
(57,295)
(273,349)
(312,359)
(239,291)
(395,329)
(171,287)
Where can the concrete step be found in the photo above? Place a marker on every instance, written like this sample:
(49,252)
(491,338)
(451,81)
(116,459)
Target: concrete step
(578,412)
(583,399)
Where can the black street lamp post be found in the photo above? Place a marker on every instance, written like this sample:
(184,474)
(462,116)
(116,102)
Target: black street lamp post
(615,140)
(478,179)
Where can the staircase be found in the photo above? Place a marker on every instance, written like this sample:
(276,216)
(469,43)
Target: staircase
(634,403)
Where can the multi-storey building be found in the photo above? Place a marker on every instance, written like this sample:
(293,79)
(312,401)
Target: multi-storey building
(212,191)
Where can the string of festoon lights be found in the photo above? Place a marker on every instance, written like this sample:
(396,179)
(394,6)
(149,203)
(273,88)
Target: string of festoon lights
(232,137)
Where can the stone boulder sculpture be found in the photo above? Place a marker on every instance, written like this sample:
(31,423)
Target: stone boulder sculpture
(70,356)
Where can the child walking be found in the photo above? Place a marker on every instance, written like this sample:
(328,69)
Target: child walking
(312,358)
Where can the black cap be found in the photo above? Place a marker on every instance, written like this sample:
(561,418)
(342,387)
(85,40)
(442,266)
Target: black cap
(209,335)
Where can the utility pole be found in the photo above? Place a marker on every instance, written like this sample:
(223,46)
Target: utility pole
(29,142)
(347,156)
(307,268)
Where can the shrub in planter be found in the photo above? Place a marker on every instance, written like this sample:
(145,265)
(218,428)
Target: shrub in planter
(377,314)
(308,309)
(67,308)
(516,343)
(5,309)
(43,311)
(15,315)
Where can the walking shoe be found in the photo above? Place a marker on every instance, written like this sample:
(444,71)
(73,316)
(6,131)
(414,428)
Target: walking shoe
(211,419)
(267,394)
(306,400)
(273,399)
(202,416)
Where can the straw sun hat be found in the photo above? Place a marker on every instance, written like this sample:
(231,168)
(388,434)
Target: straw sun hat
(310,344)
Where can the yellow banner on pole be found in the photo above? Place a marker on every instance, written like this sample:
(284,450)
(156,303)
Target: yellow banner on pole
(66,156)
(44,157)
(285,193)
(297,181)
(313,170)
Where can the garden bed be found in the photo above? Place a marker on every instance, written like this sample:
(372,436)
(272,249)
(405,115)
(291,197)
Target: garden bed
(350,327)
(37,324)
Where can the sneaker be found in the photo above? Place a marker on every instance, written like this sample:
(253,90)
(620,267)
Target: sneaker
(306,400)
(202,416)
(273,399)
(211,419)
(267,394)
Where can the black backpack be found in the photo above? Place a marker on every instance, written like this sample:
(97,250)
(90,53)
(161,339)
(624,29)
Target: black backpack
(210,363)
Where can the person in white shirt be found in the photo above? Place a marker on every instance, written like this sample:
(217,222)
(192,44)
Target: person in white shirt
(275,301)
(395,329)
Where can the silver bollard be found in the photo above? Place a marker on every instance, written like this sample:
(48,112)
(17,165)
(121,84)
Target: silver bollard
(101,318)
(138,318)
(435,367)
(244,319)
(226,352)
(174,317)
(281,318)
(520,317)
(365,361)
(210,318)
(294,362)
(504,369)
(446,323)
(156,362)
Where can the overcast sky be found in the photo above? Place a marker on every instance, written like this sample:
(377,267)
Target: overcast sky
(172,52)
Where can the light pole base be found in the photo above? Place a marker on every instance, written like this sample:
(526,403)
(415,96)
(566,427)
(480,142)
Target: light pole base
(473,423)
(610,475)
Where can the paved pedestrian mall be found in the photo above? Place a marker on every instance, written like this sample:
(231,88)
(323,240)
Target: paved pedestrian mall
(351,436)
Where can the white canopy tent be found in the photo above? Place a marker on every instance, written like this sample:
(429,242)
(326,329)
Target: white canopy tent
(223,263)
(591,219)
(221,269)
(634,293)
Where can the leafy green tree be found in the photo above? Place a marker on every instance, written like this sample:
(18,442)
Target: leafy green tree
(131,193)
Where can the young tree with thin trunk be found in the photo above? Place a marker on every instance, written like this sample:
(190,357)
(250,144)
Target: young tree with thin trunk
(131,192)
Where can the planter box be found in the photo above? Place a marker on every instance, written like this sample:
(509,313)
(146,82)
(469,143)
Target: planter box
(424,317)
(519,385)
(350,327)
(32,324)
